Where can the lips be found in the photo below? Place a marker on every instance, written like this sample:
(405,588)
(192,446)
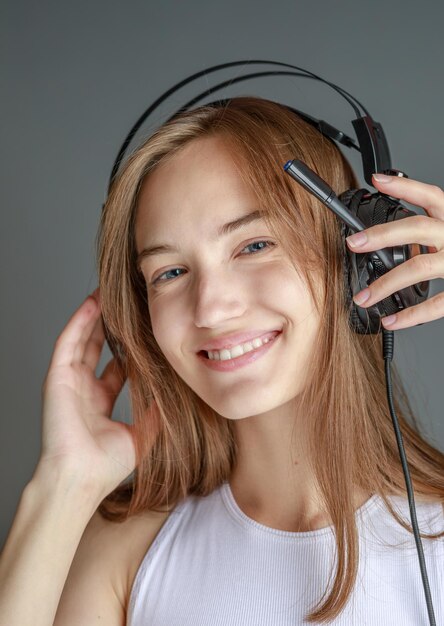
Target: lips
(230,341)
(244,360)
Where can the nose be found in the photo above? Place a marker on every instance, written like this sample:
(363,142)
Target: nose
(218,297)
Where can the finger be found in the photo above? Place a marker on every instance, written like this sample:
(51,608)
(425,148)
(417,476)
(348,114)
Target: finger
(113,377)
(415,270)
(420,229)
(431,309)
(429,197)
(67,342)
(94,345)
(85,337)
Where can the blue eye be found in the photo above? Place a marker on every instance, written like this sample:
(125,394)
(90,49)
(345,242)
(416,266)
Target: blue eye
(268,244)
(163,280)
(174,273)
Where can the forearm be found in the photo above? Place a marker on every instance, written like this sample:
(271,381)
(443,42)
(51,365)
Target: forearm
(50,520)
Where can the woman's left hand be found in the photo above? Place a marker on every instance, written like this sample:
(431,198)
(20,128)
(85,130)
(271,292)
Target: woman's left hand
(427,230)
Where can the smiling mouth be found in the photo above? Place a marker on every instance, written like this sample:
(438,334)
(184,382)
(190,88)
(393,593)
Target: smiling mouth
(239,350)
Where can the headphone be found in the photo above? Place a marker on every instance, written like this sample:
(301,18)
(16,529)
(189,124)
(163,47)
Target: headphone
(356,209)
(366,207)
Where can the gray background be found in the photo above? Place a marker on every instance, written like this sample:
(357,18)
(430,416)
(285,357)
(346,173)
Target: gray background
(75,78)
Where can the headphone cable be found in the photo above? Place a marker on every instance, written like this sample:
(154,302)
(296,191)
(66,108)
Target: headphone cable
(388,343)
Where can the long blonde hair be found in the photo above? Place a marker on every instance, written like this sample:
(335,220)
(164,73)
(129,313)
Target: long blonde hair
(352,443)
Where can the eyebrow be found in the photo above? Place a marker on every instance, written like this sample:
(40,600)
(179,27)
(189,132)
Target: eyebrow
(223,230)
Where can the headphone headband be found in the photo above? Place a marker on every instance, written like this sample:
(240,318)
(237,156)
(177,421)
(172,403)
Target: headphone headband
(372,143)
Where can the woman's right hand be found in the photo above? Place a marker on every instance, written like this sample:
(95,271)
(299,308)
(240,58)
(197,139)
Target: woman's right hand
(79,439)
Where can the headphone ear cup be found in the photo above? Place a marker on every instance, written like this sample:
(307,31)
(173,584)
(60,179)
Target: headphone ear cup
(351,198)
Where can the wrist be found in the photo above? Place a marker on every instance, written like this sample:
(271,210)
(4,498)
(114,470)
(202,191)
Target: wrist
(52,515)
(50,480)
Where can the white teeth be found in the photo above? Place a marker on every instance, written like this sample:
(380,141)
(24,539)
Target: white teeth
(235,351)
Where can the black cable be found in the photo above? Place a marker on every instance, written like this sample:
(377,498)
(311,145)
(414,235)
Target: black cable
(388,343)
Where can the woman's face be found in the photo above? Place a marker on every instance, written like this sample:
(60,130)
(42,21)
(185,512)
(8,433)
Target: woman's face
(214,286)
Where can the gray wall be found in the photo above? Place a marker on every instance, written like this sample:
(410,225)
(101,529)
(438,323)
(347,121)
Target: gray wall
(77,75)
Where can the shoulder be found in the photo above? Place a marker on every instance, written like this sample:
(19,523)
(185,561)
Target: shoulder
(140,532)
(104,567)
(125,544)
(392,522)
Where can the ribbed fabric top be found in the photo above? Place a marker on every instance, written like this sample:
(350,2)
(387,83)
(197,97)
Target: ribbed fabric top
(211,564)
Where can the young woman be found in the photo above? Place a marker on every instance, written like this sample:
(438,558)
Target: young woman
(267,487)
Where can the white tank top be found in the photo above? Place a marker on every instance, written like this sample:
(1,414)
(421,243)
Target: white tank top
(212,565)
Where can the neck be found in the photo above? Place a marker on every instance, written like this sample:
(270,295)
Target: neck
(273,481)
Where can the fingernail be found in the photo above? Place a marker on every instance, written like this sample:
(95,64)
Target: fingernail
(362,296)
(357,240)
(383,178)
(389,320)
(94,296)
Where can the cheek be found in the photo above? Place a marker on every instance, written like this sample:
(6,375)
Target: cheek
(286,288)
(167,325)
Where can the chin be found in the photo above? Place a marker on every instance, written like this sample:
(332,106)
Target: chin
(237,410)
